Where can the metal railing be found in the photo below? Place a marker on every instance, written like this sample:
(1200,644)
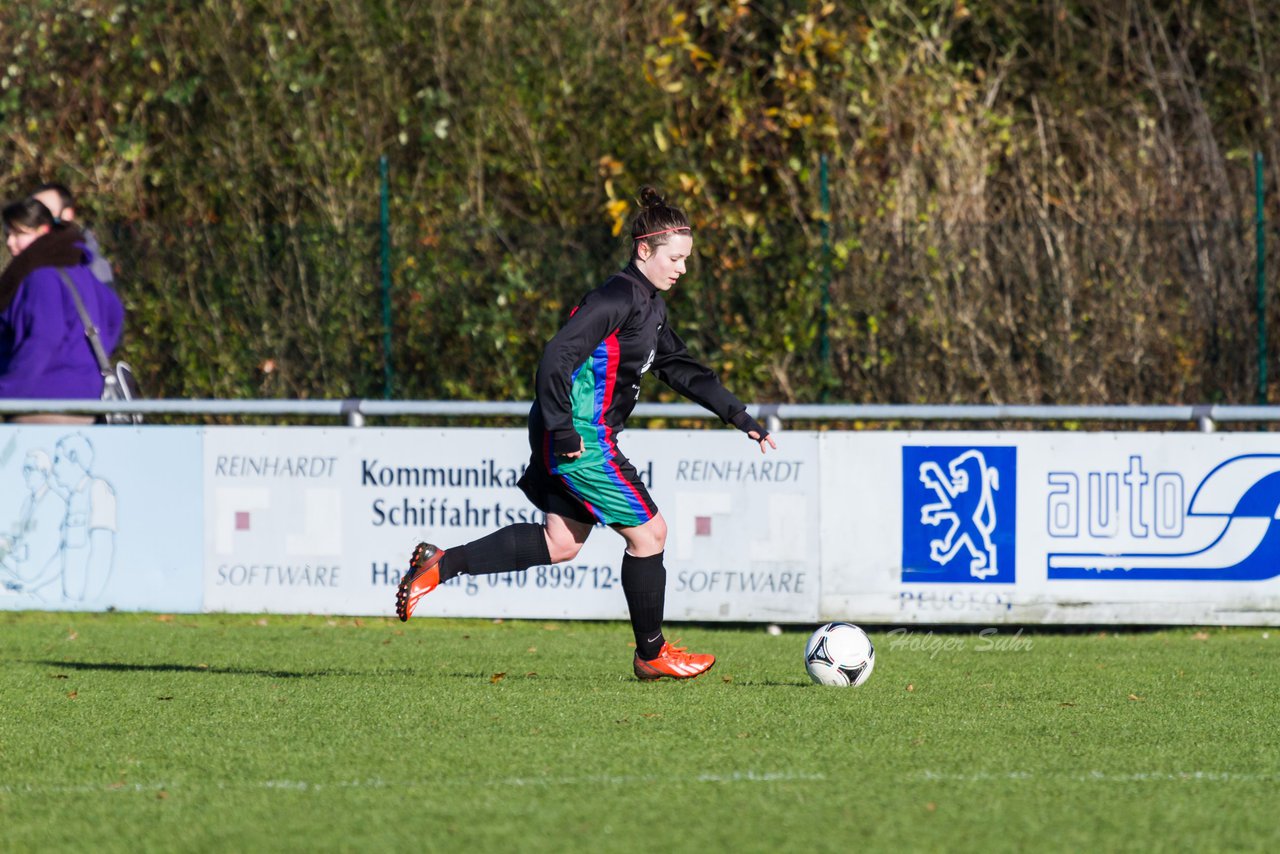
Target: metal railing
(774,415)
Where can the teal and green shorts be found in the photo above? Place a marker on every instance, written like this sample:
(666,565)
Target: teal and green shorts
(601,486)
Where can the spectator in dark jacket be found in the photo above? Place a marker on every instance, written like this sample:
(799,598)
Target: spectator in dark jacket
(44,353)
(58,199)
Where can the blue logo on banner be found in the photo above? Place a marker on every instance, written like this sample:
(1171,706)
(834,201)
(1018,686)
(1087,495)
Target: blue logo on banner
(1233,518)
(959,521)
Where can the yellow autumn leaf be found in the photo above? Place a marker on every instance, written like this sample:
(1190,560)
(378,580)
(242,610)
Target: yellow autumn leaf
(610,165)
(660,138)
(617,211)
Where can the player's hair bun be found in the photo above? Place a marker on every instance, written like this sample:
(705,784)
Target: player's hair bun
(650,198)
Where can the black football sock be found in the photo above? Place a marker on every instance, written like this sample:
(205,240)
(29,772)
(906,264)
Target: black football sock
(644,583)
(512,548)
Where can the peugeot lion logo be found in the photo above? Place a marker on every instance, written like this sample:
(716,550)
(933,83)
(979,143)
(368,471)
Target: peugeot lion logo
(959,514)
(964,503)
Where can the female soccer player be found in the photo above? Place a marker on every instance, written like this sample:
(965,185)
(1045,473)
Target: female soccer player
(587,384)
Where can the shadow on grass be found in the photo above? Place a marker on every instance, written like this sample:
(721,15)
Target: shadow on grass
(425,672)
(122,667)
(770,683)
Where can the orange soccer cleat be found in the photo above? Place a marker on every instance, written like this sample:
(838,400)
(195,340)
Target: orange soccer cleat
(673,663)
(423,577)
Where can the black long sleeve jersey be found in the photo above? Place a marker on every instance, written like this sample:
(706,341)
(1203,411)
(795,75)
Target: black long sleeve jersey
(588,381)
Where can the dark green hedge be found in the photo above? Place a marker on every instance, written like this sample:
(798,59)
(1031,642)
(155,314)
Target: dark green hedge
(1044,202)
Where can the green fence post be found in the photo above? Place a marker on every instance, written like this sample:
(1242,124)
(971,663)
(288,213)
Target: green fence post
(388,376)
(1261,272)
(824,345)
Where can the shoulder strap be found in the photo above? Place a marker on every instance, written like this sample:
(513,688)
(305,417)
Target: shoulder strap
(90,331)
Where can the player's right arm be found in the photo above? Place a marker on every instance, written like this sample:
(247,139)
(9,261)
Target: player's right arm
(600,313)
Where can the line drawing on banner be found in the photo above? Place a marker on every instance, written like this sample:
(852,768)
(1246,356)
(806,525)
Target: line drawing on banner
(1238,502)
(65,530)
(955,514)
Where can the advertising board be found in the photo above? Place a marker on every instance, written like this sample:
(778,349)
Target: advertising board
(1052,528)
(96,518)
(323,521)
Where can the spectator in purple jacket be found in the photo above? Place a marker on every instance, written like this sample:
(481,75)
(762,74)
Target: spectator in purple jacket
(43,349)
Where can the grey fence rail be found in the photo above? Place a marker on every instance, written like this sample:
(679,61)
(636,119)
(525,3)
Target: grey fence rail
(355,411)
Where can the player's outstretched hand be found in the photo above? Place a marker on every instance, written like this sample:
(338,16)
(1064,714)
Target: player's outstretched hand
(767,440)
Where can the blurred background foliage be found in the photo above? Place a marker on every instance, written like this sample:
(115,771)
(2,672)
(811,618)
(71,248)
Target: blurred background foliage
(1046,202)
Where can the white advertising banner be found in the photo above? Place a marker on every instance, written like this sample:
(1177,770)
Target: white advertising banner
(876,527)
(323,521)
(100,517)
(1051,528)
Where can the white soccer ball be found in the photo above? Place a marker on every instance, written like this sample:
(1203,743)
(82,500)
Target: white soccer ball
(839,654)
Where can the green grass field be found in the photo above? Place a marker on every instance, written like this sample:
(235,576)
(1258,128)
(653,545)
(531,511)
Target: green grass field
(145,732)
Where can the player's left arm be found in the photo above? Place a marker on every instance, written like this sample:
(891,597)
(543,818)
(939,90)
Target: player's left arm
(677,368)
